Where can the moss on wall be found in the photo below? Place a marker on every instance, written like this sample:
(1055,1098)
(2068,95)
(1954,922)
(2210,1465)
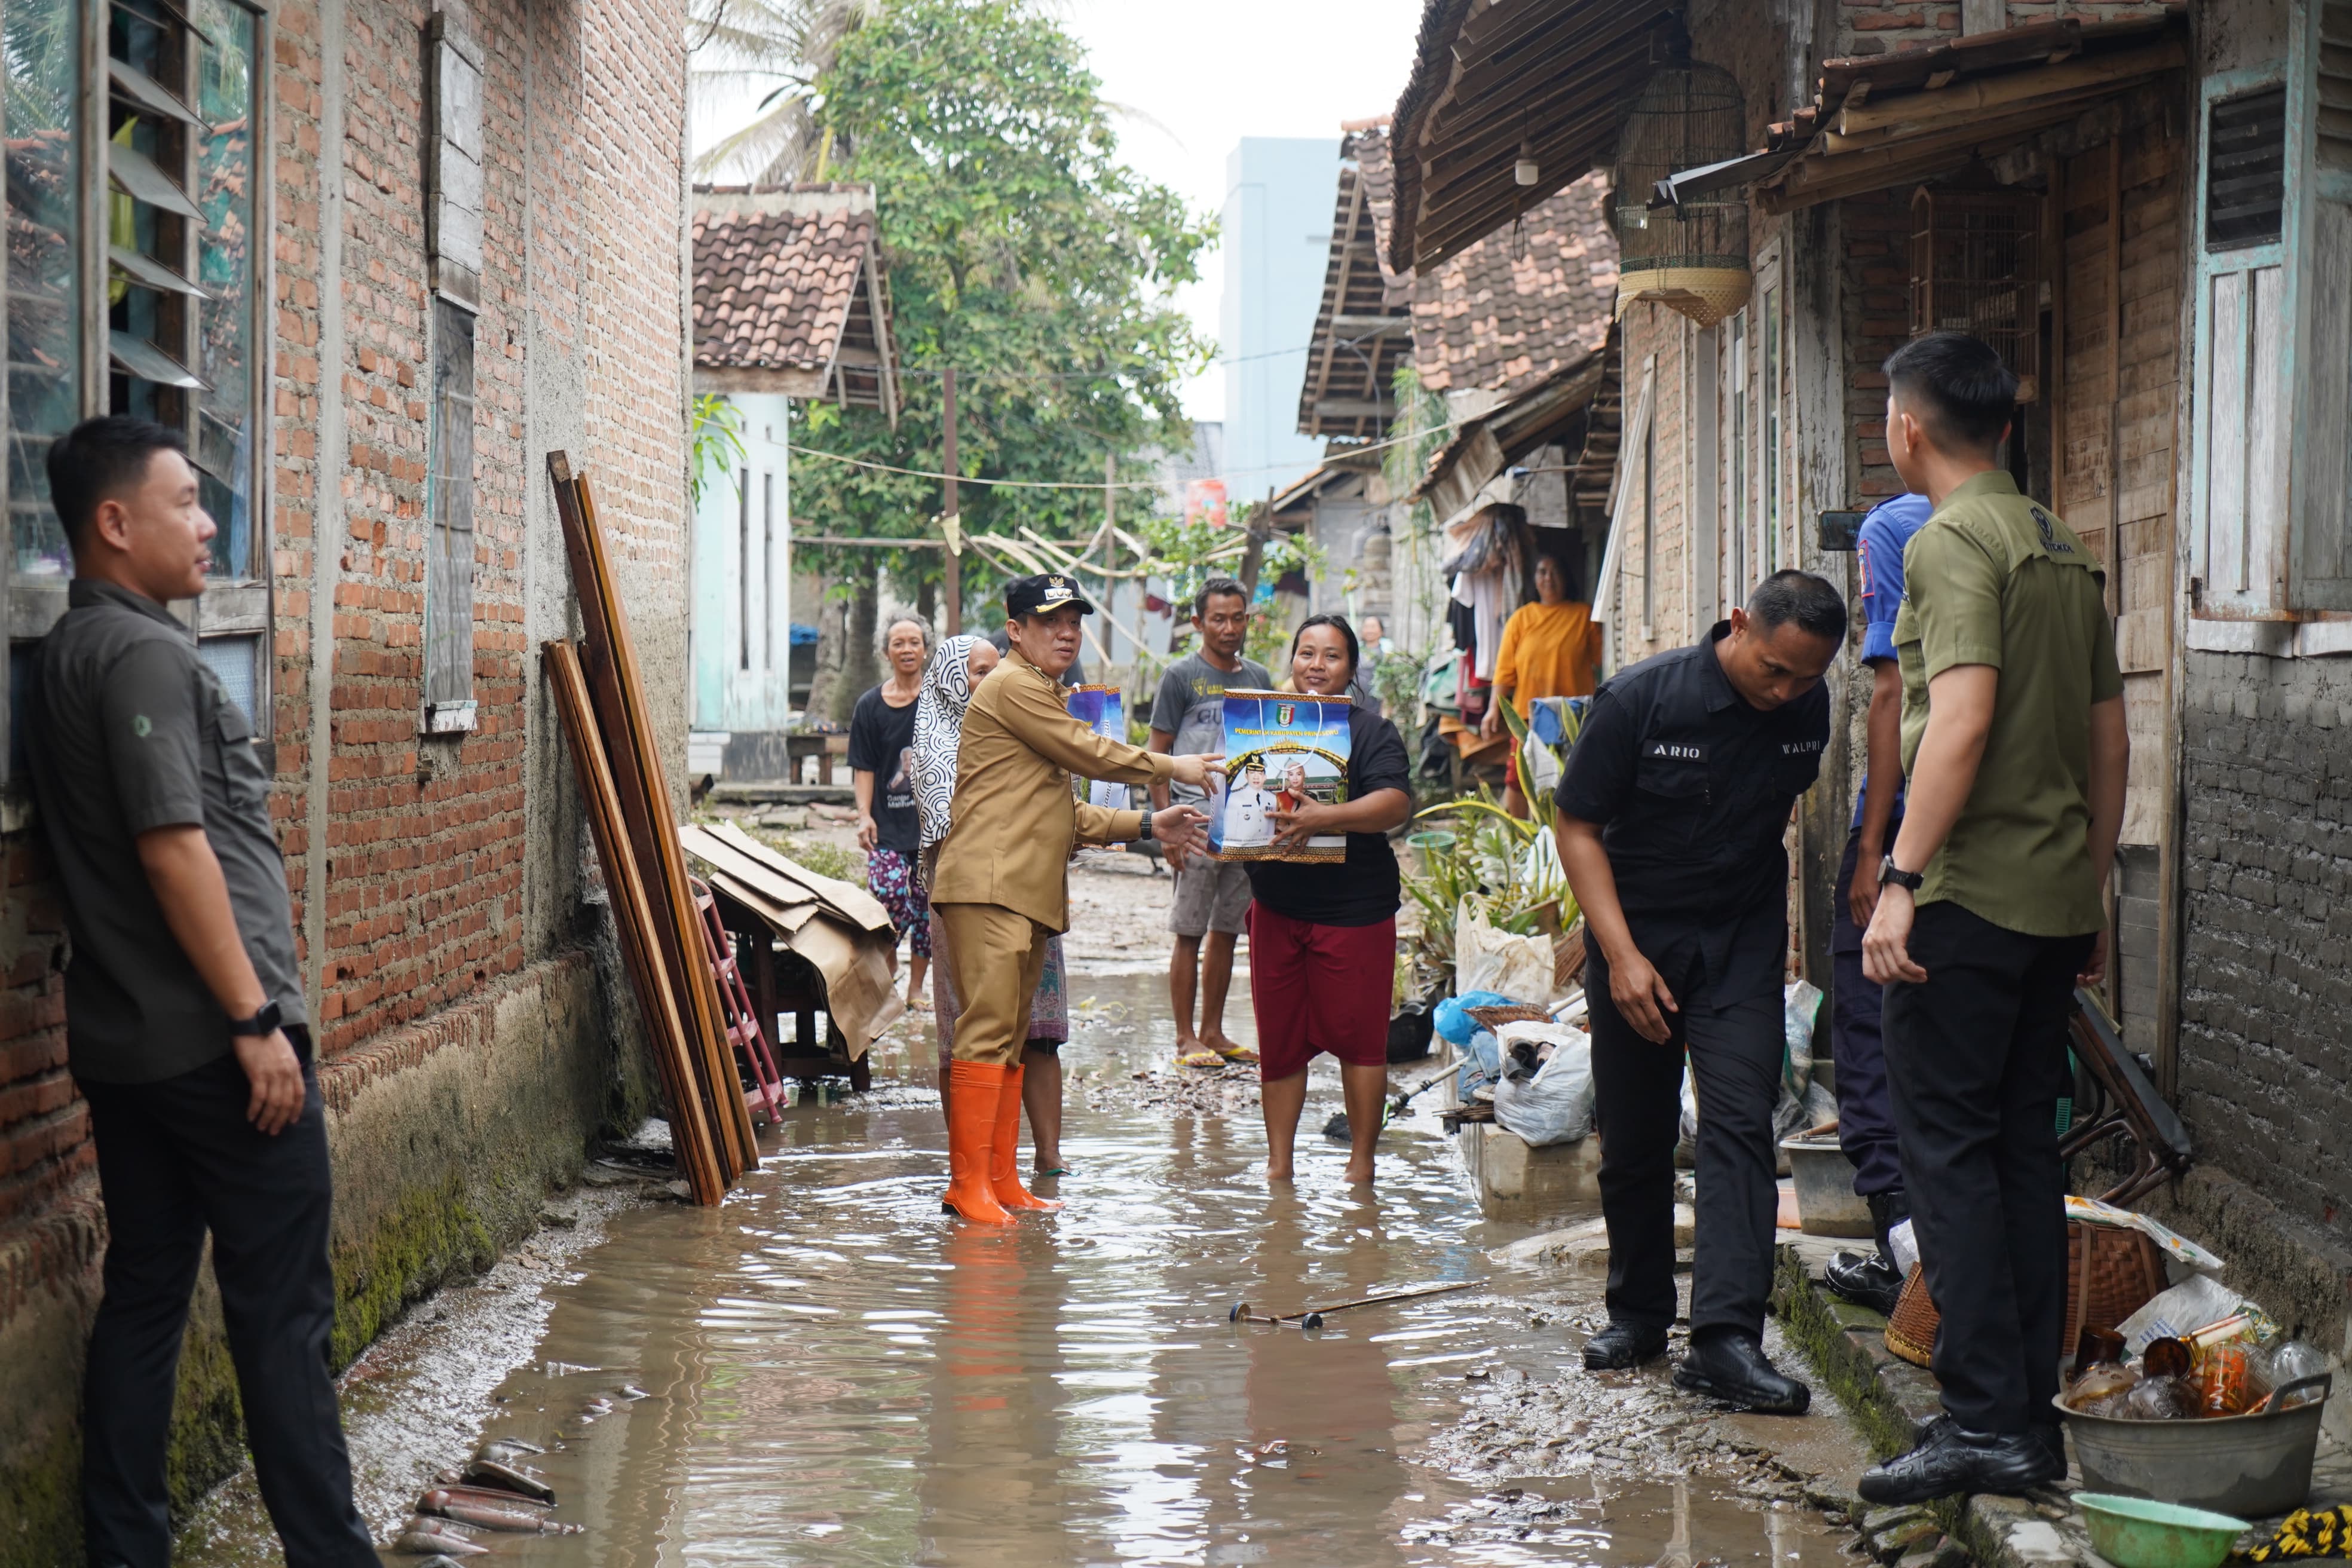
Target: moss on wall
(430,1237)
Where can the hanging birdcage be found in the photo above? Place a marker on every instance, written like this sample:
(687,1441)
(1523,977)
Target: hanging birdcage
(1974,271)
(1691,258)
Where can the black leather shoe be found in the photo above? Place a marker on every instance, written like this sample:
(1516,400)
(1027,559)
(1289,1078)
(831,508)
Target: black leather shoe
(1957,1461)
(1865,1280)
(1731,1367)
(1621,1346)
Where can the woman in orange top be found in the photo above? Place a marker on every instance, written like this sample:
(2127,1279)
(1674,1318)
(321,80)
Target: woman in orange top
(1551,649)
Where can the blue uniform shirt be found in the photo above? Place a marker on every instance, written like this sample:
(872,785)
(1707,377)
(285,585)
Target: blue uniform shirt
(1884,533)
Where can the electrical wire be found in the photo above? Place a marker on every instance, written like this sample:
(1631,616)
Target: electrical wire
(1094,487)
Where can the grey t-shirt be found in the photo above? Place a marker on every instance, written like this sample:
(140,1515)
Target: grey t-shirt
(1192,707)
(130,731)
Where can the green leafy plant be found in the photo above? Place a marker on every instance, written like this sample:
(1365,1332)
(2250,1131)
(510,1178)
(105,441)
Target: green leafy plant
(717,440)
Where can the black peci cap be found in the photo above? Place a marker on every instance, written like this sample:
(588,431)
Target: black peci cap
(1043,595)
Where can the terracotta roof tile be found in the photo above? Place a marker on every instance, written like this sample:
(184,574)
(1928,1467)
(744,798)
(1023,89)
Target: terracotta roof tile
(772,290)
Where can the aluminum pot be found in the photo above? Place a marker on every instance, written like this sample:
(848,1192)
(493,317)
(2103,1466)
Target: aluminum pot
(1825,1179)
(2251,1466)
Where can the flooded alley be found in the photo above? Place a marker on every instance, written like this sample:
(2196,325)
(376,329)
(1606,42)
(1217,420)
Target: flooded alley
(828,1370)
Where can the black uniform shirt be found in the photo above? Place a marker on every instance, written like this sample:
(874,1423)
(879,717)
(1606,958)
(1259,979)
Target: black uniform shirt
(129,730)
(1692,789)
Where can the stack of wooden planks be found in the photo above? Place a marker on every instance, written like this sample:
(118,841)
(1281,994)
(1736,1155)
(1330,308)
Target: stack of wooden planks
(600,695)
(842,930)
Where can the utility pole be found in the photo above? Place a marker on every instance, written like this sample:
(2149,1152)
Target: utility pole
(952,587)
(1110,543)
(1261,529)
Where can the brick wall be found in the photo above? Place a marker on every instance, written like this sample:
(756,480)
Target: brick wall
(1656,551)
(2265,1044)
(427,844)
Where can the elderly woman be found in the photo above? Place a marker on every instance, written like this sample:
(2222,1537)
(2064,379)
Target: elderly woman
(955,670)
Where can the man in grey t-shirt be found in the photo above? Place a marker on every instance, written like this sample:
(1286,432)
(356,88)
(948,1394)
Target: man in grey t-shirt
(184,1026)
(1212,897)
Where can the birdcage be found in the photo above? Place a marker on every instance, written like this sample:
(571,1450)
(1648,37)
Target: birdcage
(1975,269)
(1691,257)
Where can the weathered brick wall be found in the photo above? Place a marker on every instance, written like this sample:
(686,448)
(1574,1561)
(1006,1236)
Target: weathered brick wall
(2265,1044)
(1657,551)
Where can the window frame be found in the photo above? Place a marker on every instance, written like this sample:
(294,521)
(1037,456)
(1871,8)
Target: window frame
(240,604)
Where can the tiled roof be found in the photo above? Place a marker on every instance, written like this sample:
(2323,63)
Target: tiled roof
(1517,306)
(785,280)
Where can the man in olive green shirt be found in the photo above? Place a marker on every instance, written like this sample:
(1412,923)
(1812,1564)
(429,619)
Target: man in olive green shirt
(1991,911)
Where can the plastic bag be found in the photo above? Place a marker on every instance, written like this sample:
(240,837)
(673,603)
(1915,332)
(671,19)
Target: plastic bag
(1454,1019)
(2178,1313)
(1554,1103)
(1487,959)
(1801,1001)
(1482,1062)
(2177,1249)
(1540,865)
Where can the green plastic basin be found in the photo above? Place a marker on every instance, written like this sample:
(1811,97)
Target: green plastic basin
(2137,1532)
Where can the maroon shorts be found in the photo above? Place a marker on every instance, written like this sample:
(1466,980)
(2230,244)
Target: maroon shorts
(1319,988)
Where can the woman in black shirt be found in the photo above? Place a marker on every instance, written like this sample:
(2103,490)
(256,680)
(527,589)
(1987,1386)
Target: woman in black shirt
(881,741)
(1322,935)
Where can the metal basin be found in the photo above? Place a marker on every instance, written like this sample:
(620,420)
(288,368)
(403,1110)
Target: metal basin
(2250,1466)
(1825,1177)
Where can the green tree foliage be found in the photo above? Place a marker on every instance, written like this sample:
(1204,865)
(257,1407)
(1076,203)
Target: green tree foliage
(1023,252)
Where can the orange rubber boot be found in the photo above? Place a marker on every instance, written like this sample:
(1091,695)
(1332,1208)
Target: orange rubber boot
(1005,1158)
(973,1091)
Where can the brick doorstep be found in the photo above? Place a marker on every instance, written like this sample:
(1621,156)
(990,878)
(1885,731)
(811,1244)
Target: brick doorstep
(1885,1397)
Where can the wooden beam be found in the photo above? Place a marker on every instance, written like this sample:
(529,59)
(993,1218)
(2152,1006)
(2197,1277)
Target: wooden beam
(1984,94)
(1353,408)
(1365,327)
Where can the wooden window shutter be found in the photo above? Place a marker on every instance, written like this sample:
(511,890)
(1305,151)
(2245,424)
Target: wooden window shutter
(2320,532)
(2240,439)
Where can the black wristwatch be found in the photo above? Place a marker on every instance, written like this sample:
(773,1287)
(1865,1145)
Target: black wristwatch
(262,1023)
(1889,872)
(1143,832)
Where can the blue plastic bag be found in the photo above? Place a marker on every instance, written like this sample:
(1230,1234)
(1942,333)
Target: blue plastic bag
(1482,1062)
(1453,1020)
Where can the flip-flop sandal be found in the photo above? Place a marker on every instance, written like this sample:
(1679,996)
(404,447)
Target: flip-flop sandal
(1204,1057)
(1240,1056)
(1056,1171)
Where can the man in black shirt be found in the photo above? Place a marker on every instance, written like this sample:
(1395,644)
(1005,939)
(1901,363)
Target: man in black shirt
(184,1023)
(1670,815)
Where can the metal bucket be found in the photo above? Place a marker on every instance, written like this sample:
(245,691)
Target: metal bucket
(2251,1466)
(1825,1179)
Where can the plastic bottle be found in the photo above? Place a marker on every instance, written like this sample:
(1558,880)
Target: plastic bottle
(2162,1399)
(2225,1381)
(2290,1360)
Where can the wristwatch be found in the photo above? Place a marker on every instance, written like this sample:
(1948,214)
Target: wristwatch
(1143,833)
(1889,872)
(262,1023)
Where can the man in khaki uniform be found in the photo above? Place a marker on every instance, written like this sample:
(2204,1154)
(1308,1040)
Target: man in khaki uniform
(1002,885)
(1990,909)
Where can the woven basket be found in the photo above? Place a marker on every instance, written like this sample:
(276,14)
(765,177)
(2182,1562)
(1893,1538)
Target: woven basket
(2111,1273)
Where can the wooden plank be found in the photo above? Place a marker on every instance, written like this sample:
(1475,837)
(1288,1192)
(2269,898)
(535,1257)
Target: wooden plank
(632,921)
(618,704)
(732,1113)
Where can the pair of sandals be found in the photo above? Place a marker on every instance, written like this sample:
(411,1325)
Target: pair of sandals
(1203,1057)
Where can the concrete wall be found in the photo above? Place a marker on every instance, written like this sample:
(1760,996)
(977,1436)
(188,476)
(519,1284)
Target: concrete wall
(744,516)
(472,1024)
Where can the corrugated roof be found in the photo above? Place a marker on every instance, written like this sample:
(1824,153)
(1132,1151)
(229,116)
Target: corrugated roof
(789,292)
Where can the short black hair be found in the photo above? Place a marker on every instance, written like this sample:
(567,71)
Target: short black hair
(1799,596)
(1217,588)
(1959,387)
(1346,635)
(98,459)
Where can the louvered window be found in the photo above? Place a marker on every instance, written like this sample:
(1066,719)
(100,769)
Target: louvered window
(2245,182)
(135,214)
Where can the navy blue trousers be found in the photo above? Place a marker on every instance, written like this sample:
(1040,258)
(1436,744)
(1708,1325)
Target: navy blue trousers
(1858,1047)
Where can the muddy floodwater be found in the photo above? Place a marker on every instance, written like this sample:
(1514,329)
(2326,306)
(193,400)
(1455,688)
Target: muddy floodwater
(829,1370)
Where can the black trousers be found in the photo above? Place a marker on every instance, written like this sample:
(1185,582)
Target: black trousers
(1734,1053)
(1865,1108)
(177,1159)
(1976,1054)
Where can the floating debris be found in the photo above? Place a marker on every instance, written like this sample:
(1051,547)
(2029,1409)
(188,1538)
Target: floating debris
(564,1368)
(483,1469)
(426,1537)
(511,1516)
(630,1390)
(453,1483)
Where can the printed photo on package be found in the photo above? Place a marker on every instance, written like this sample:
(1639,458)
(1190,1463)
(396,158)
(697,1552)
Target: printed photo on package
(1103,709)
(1282,749)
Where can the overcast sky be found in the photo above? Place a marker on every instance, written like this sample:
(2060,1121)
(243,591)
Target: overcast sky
(1191,80)
(1198,78)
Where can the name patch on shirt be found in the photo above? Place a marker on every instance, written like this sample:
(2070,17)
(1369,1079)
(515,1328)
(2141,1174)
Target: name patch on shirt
(1676,750)
(1800,748)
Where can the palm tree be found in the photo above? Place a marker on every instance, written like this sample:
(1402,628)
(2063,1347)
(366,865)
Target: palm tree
(783,47)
